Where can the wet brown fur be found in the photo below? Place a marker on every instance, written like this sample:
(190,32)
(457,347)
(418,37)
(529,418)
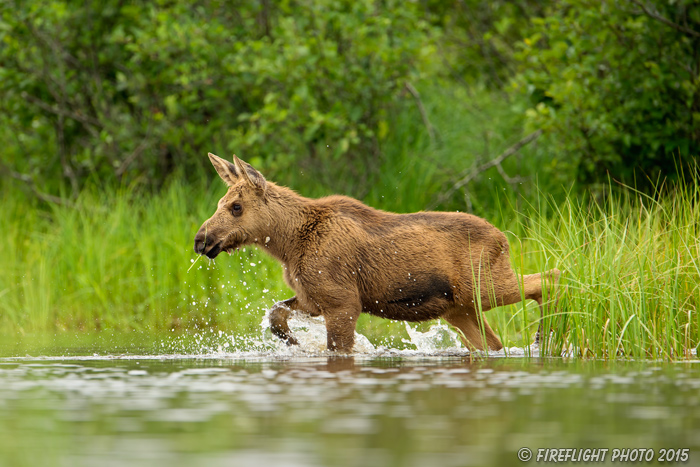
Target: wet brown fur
(343,258)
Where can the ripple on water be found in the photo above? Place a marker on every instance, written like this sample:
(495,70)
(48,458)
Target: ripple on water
(248,401)
(448,407)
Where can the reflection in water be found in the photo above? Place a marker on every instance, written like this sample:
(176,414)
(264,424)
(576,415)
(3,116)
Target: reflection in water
(340,363)
(335,410)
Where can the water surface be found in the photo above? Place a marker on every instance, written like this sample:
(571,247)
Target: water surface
(117,403)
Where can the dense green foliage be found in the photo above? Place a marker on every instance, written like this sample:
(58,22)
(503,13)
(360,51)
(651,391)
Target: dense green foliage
(618,85)
(479,40)
(134,91)
(128,89)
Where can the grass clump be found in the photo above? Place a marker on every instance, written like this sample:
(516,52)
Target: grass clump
(119,261)
(631,286)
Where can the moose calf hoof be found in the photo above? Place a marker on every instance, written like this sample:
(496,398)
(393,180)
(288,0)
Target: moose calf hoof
(291,340)
(538,337)
(284,335)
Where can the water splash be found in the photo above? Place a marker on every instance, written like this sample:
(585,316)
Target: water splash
(439,340)
(438,337)
(310,332)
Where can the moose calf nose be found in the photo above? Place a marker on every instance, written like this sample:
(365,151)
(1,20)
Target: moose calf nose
(199,243)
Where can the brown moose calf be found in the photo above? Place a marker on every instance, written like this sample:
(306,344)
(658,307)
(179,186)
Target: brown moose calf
(343,258)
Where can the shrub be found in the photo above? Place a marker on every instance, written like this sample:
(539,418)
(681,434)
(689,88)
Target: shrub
(131,90)
(617,85)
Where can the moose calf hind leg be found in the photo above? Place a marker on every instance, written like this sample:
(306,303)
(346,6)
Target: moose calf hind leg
(466,321)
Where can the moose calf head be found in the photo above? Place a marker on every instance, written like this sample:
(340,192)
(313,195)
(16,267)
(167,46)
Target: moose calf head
(240,217)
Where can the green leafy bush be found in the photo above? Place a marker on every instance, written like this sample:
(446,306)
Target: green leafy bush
(478,39)
(132,90)
(617,85)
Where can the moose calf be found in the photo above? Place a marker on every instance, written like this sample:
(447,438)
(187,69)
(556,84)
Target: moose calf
(343,258)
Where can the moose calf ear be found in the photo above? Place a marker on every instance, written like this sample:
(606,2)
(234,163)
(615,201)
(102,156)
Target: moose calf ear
(225,169)
(253,177)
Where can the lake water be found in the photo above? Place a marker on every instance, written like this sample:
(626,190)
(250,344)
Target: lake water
(139,401)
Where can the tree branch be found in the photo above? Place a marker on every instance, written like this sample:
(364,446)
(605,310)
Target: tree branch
(488,165)
(135,154)
(421,109)
(29,182)
(89,122)
(657,16)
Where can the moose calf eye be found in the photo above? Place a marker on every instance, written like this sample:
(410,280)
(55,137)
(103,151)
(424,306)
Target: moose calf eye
(236,209)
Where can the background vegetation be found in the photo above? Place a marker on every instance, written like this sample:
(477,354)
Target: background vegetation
(534,114)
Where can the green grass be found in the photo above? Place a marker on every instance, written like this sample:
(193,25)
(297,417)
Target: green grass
(632,282)
(118,261)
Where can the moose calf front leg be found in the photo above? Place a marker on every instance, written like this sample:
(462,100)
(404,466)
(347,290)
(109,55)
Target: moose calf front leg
(340,328)
(279,314)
